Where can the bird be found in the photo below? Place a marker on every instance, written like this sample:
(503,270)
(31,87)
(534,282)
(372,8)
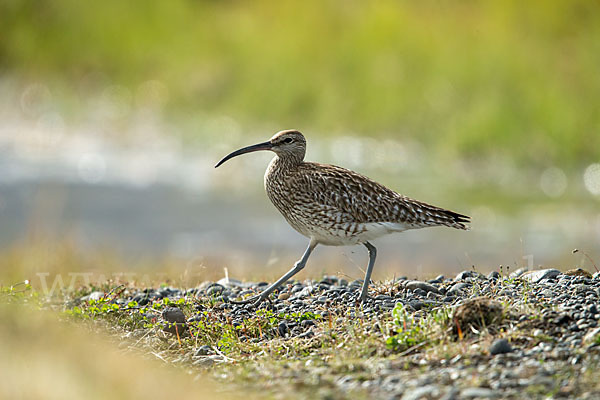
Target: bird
(334,206)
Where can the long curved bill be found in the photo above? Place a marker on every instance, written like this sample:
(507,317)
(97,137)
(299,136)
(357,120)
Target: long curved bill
(249,149)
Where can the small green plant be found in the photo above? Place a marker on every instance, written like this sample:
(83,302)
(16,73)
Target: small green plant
(414,330)
(19,292)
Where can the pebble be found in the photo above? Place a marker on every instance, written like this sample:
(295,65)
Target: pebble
(592,336)
(494,275)
(518,273)
(424,286)
(478,393)
(173,314)
(283,328)
(283,296)
(231,283)
(215,290)
(463,275)
(204,351)
(500,346)
(93,296)
(538,275)
(175,321)
(456,288)
(425,392)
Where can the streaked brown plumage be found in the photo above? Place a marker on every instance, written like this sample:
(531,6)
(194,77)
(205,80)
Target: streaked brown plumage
(335,206)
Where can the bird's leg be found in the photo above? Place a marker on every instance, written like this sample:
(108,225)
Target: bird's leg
(372,254)
(298,265)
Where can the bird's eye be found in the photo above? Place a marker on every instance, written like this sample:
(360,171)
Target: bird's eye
(288,140)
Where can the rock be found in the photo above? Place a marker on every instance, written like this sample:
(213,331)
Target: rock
(592,336)
(500,346)
(204,285)
(494,275)
(93,296)
(173,314)
(306,335)
(463,275)
(538,275)
(305,292)
(457,288)
(230,282)
(330,280)
(478,393)
(174,320)
(413,285)
(451,394)
(283,296)
(204,351)
(417,305)
(297,288)
(141,299)
(307,323)
(204,362)
(578,272)
(469,274)
(424,392)
(518,273)
(215,289)
(283,328)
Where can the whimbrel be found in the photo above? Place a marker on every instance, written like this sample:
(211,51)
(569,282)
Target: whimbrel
(336,207)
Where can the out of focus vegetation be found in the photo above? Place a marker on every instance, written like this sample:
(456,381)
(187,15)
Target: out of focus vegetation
(45,358)
(515,79)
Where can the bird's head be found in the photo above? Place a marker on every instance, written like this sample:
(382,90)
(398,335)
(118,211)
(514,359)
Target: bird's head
(289,144)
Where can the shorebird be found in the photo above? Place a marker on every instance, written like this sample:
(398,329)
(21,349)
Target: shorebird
(334,206)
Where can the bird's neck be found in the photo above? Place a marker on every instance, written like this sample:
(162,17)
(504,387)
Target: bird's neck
(279,167)
(284,163)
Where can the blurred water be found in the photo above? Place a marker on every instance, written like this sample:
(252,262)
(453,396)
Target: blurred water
(144,194)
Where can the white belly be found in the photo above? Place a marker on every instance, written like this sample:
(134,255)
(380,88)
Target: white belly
(347,235)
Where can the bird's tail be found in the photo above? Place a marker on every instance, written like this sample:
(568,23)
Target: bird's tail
(456,220)
(438,216)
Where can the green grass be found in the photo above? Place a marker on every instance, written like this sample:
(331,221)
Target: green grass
(481,80)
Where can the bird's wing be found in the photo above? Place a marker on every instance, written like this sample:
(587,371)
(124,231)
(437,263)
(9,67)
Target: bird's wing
(357,198)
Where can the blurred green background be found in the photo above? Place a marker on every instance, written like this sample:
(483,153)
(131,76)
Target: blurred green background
(467,78)
(491,108)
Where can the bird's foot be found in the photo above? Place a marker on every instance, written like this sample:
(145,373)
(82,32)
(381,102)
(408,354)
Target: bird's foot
(249,300)
(254,300)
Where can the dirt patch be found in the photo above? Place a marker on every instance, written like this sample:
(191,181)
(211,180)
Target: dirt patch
(578,272)
(476,314)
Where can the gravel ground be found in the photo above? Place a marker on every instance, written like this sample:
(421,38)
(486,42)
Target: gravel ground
(532,334)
